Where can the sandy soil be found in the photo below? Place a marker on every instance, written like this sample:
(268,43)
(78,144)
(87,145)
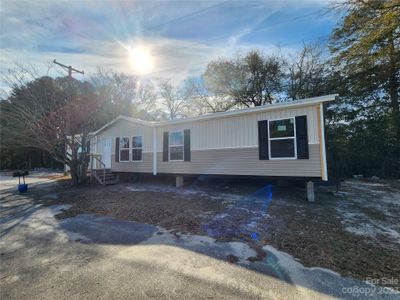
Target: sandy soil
(354,232)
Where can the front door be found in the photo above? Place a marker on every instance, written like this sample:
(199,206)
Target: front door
(106,152)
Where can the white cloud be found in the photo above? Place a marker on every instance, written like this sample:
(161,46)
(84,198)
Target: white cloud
(38,32)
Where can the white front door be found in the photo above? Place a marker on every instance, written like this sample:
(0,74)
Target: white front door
(106,152)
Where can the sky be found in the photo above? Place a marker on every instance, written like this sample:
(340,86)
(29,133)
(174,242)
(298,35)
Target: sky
(153,39)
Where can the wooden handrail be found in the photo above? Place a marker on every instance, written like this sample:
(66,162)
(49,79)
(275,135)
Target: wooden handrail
(96,157)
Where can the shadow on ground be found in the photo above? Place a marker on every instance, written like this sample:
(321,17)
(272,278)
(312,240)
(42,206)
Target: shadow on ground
(100,256)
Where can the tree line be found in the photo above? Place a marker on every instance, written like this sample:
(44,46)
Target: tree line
(361,64)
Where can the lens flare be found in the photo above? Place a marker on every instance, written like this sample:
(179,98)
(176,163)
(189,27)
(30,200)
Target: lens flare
(141,59)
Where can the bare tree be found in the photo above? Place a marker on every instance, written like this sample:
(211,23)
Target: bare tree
(202,102)
(52,115)
(124,94)
(172,99)
(146,95)
(306,73)
(252,80)
(117,89)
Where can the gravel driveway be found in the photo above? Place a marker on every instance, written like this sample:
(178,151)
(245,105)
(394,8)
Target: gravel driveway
(87,256)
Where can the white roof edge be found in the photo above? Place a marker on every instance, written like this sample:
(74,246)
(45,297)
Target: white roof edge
(280,105)
(121,117)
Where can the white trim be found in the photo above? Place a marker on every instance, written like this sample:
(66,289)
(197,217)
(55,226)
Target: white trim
(294,138)
(268,107)
(283,158)
(182,145)
(282,138)
(141,148)
(120,117)
(217,148)
(129,149)
(95,143)
(222,148)
(154,151)
(103,144)
(325,170)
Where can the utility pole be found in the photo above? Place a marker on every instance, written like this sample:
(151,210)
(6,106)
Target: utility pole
(69,68)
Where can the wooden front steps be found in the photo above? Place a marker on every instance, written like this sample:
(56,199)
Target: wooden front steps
(104,176)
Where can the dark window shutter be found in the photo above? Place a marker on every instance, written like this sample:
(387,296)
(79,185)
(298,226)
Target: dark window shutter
(263,140)
(165,146)
(186,147)
(117,149)
(302,137)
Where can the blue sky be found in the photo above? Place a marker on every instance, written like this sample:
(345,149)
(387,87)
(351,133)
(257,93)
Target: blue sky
(181,36)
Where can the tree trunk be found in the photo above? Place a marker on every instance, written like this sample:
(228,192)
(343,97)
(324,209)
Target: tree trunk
(78,166)
(79,171)
(394,90)
(394,103)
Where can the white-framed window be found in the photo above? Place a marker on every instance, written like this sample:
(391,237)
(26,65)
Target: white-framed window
(282,139)
(124,149)
(137,148)
(176,146)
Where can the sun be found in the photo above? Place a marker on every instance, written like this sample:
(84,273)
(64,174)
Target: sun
(141,59)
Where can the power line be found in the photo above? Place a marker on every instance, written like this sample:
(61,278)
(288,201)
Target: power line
(257,29)
(194,13)
(269,25)
(198,12)
(202,64)
(222,37)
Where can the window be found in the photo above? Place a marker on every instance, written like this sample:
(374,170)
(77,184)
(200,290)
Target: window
(176,146)
(124,149)
(282,139)
(137,148)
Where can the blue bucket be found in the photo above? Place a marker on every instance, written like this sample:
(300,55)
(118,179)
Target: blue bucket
(22,188)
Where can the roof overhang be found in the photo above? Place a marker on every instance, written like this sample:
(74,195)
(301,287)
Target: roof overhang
(268,107)
(122,118)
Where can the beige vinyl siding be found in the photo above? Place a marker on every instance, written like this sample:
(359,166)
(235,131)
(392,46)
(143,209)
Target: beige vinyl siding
(242,161)
(237,131)
(144,166)
(226,145)
(125,128)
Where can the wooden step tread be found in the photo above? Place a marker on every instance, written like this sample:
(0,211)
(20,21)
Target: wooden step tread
(114,181)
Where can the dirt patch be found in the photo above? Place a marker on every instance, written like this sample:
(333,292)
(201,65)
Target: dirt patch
(314,234)
(317,234)
(57,176)
(168,209)
(232,258)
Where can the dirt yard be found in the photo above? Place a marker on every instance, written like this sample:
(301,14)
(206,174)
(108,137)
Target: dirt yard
(354,232)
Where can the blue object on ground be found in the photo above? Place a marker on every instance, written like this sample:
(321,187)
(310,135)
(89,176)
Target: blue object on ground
(254,236)
(22,188)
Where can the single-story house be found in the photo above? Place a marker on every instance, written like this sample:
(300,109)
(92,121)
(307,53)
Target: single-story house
(278,140)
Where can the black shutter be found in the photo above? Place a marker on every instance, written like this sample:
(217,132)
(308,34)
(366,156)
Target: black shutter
(186,144)
(165,146)
(263,140)
(302,137)
(117,149)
